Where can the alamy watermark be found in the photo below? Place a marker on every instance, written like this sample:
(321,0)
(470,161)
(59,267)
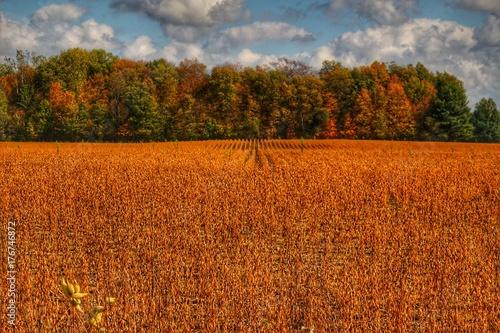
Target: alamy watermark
(11,272)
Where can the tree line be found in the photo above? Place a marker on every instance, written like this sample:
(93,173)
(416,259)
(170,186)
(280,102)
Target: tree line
(95,96)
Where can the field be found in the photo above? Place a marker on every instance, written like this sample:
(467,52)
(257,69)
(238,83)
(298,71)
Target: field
(253,236)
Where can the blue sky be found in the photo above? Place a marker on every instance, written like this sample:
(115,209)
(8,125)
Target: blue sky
(458,36)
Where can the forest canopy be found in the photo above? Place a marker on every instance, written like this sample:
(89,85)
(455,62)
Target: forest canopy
(95,96)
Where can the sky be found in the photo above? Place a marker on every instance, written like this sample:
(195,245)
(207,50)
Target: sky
(461,37)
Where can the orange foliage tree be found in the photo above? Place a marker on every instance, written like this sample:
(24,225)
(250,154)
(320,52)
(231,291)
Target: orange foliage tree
(365,115)
(62,102)
(399,111)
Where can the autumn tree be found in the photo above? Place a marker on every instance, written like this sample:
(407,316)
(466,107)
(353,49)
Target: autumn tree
(292,67)
(93,95)
(22,71)
(340,83)
(283,121)
(365,115)
(133,108)
(95,99)
(192,108)
(65,111)
(4,118)
(262,105)
(306,104)
(71,68)
(419,87)
(374,80)
(100,62)
(250,95)
(223,84)
(166,80)
(143,123)
(401,122)
(21,93)
(328,125)
(371,76)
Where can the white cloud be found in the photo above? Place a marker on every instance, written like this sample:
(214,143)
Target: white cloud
(257,32)
(59,35)
(409,42)
(89,35)
(15,36)
(187,20)
(489,6)
(51,14)
(141,48)
(439,45)
(376,12)
(176,51)
(248,58)
(220,48)
(384,11)
(489,33)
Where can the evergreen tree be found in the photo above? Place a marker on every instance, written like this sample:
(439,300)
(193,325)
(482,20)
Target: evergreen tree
(486,120)
(450,118)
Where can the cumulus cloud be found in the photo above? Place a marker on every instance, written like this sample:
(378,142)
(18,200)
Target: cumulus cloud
(258,32)
(15,36)
(439,45)
(141,48)
(51,14)
(375,12)
(176,51)
(489,6)
(414,40)
(89,35)
(248,58)
(489,34)
(220,48)
(50,31)
(186,20)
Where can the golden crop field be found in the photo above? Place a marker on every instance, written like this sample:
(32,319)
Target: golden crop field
(252,236)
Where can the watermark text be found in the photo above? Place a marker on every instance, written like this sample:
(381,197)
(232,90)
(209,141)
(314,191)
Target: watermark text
(11,272)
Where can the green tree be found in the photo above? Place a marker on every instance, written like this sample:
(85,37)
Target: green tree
(486,120)
(100,62)
(4,118)
(43,123)
(306,105)
(143,118)
(340,82)
(72,68)
(186,125)
(95,100)
(133,109)
(261,98)
(68,118)
(166,80)
(249,98)
(21,93)
(450,117)
(327,117)
(223,84)
(327,66)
